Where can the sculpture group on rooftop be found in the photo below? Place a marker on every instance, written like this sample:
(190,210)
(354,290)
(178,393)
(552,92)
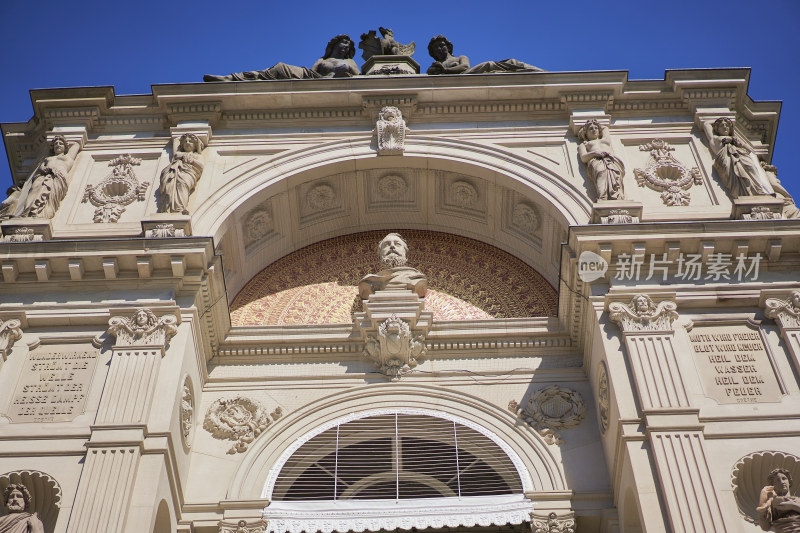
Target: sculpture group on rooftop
(338,60)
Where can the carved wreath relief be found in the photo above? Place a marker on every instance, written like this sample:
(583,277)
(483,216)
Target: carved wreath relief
(143,328)
(666,174)
(396,351)
(187,412)
(641,314)
(786,312)
(117,190)
(552,408)
(238,419)
(391,131)
(603,397)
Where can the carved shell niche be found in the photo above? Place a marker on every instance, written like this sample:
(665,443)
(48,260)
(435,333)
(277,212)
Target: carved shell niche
(749,476)
(45,493)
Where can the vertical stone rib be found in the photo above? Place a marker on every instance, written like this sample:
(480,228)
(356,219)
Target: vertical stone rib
(686,482)
(129,390)
(104,491)
(655,367)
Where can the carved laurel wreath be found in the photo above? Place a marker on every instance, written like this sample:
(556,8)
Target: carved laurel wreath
(238,419)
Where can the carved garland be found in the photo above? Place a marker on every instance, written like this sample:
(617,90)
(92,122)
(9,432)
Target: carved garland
(666,174)
(187,412)
(552,408)
(603,397)
(238,419)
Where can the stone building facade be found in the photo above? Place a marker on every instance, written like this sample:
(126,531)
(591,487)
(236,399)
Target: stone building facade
(609,339)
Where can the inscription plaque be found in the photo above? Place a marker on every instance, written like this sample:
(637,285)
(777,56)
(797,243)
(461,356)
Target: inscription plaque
(734,364)
(53,385)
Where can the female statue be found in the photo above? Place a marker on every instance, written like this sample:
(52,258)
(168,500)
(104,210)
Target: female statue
(441,50)
(338,59)
(180,177)
(778,510)
(738,167)
(605,168)
(46,188)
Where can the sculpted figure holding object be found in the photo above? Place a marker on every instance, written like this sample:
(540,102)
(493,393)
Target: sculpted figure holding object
(605,168)
(19,520)
(738,167)
(393,251)
(778,510)
(46,188)
(180,177)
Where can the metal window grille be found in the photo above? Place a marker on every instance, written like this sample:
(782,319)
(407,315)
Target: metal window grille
(396,456)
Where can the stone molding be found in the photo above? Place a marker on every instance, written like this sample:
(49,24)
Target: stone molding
(551,408)
(641,314)
(243,526)
(142,328)
(238,419)
(10,332)
(553,523)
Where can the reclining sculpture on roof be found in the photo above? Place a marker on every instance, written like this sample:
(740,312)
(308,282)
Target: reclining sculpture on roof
(441,50)
(337,62)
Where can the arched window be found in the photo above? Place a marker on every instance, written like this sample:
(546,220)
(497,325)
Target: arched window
(341,475)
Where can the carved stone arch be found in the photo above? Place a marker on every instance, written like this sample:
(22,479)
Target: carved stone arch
(239,212)
(45,494)
(544,472)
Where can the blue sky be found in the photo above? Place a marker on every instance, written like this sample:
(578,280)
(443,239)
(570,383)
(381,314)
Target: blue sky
(135,44)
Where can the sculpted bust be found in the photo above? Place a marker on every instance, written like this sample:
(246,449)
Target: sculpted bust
(19,520)
(778,510)
(393,251)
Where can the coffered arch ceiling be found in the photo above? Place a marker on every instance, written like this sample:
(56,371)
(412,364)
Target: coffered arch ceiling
(308,195)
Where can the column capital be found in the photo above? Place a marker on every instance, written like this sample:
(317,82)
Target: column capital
(142,329)
(785,312)
(641,314)
(10,332)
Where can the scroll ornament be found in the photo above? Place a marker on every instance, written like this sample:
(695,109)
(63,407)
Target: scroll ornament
(391,130)
(10,332)
(243,527)
(552,408)
(552,524)
(666,174)
(786,312)
(395,351)
(143,328)
(117,190)
(238,419)
(641,314)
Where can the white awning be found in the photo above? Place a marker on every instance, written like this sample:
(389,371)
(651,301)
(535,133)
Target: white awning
(374,515)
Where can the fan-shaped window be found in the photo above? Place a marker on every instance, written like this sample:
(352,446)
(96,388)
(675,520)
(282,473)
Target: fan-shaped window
(404,455)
